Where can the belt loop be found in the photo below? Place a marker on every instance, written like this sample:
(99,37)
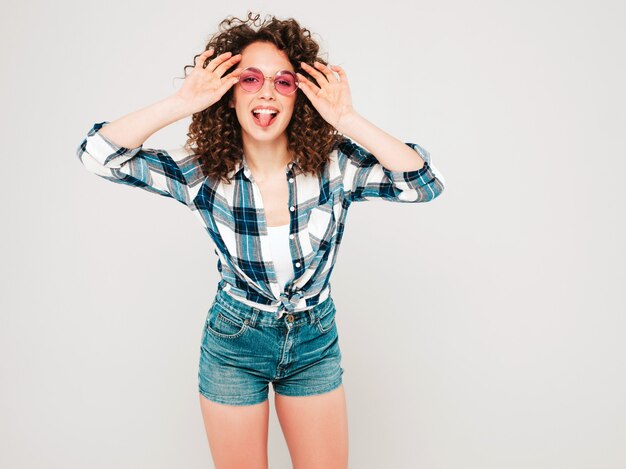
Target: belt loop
(255,314)
(311,315)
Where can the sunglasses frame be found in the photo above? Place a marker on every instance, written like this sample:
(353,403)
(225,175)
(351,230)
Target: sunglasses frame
(273,78)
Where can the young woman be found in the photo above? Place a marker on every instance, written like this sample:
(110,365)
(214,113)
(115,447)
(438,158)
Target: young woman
(270,169)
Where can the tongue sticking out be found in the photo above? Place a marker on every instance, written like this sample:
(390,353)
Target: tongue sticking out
(264,119)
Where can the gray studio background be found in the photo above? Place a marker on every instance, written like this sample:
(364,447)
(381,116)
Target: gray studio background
(482,330)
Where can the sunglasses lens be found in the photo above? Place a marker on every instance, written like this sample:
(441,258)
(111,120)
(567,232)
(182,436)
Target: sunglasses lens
(285,82)
(251,79)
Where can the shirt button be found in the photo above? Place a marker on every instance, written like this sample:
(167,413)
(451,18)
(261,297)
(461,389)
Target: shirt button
(290,236)
(292,208)
(290,179)
(297,264)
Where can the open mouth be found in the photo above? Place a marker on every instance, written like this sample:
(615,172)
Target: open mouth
(264,117)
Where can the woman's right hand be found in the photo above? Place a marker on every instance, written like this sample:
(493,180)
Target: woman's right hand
(203,87)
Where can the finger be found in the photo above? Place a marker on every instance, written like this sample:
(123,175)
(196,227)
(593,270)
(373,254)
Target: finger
(227,83)
(332,78)
(213,64)
(340,72)
(221,69)
(202,57)
(307,84)
(234,74)
(306,89)
(315,74)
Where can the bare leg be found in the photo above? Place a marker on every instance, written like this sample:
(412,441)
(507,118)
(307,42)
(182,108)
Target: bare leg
(315,428)
(237,434)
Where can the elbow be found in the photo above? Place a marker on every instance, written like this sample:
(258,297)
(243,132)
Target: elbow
(80,150)
(91,164)
(423,193)
(83,155)
(435,189)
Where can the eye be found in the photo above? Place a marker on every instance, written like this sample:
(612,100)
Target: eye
(284,82)
(249,79)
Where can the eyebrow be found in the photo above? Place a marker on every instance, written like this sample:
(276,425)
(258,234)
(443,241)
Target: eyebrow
(279,70)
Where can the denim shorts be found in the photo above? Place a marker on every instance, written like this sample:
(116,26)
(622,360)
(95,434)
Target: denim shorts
(243,349)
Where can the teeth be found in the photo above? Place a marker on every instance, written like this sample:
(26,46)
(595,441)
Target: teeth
(264,111)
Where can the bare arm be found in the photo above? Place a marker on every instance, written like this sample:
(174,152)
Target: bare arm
(203,87)
(133,129)
(114,150)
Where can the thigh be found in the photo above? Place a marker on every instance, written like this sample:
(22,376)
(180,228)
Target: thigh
(315,428)
(237,434)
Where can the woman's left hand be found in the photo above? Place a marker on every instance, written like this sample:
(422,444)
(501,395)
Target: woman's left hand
(331,96)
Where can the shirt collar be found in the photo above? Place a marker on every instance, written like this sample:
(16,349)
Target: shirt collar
(242,165)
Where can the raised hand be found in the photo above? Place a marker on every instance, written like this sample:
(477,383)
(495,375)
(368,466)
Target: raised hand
(204,87)
(331,96)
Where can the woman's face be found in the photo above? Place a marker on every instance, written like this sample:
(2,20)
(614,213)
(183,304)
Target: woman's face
(269,59)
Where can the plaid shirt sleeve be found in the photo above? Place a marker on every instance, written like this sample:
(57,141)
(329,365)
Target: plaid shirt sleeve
(364,178)
(170,174)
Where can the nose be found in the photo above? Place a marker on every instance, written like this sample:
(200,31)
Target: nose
(267,90)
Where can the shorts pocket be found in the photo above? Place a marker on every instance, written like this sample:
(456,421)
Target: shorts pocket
(225,324)
(326,321)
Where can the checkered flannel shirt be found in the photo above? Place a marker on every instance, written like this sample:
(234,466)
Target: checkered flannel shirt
(233,214)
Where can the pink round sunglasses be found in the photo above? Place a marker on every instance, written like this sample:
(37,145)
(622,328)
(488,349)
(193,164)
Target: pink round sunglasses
(252,80)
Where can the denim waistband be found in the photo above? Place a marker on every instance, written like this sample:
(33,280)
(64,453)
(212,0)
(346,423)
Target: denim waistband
(256,315)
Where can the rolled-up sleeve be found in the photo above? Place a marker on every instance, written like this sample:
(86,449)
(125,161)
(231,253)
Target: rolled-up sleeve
(364,178)
(168,173)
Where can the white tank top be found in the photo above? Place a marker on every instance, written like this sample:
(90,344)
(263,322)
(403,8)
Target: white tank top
(281,254)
